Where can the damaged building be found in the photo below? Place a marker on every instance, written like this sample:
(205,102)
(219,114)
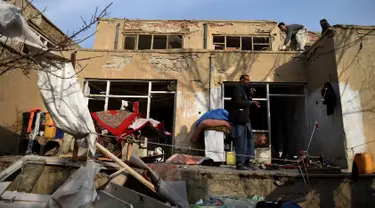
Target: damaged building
(172,72)
(178,70)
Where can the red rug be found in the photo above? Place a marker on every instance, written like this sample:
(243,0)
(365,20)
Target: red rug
(115,121)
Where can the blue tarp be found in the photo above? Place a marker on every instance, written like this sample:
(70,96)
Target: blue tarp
(218,114)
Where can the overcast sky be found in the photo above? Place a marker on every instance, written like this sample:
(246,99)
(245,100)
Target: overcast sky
(66,13)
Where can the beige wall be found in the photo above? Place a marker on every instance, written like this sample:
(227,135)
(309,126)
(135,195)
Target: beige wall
(193,31)
(18,93)
(347,61)
(191,70)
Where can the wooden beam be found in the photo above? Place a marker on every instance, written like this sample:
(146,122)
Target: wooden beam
(126,167)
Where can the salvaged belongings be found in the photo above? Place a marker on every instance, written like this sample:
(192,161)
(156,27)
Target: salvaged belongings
(214,120)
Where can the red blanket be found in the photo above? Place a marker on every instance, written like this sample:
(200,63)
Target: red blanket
(115,121)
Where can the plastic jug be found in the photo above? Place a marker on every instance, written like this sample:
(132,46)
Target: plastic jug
(49,132)
(364,163)
(231,158)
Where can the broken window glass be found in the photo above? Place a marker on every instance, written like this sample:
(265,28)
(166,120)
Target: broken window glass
(261,43)
(219,39)
(128,88)
(247,44)
(219,42)
(97,87)
(261,47)
(96,104)
(144,42)
(233,43)
(260,40)
(174,41)
(130,41)
(160,42)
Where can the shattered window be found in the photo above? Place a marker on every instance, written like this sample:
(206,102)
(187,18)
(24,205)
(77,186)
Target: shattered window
(233,43)
(261,43)
(247,44)
(219,42)
(130,42)
(160,42)
(174,41)
(144,42)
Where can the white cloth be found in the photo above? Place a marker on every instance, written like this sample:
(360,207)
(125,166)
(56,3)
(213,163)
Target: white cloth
(214,145)
(64,100)
(33,134)
(301,38)
(13,25)
(66,103)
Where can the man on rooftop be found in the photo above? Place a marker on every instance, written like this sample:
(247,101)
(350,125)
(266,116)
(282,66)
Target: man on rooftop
(295,33)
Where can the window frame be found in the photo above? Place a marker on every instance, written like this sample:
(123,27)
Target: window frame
(269,44)
(152,40)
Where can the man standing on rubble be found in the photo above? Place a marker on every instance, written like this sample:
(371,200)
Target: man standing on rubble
(242,131)
(295,33)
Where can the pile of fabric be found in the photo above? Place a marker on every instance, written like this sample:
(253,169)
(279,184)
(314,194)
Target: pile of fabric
(212,120)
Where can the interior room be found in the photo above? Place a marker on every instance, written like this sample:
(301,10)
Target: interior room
(281,122)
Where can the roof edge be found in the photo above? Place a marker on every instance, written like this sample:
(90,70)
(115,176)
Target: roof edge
(363,27)
(176,20)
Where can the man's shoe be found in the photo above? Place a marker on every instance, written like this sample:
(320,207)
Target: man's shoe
(251,166)
(242,167)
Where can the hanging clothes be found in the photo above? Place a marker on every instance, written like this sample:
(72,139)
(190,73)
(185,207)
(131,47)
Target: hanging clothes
(329,98)
(34,133)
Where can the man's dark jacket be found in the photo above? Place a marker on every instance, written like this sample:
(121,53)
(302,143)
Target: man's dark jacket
(240,112)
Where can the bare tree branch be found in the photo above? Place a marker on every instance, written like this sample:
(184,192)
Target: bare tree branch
(11,58)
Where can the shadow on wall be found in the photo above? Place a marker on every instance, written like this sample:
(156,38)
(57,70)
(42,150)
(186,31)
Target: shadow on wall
(322,62)
(192,75)
(9,141)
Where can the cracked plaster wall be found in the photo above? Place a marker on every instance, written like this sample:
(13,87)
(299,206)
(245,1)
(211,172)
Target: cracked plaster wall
(349,65)
(190,69)
(192,30)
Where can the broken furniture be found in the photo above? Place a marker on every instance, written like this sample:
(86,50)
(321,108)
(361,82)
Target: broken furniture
(32,181)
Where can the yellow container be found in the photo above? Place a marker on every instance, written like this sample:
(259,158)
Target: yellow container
(231,158)
(364,163)
(49,120)
(49,132)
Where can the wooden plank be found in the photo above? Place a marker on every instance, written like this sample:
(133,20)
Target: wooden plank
(128,169)
(136,199)
(22,196)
